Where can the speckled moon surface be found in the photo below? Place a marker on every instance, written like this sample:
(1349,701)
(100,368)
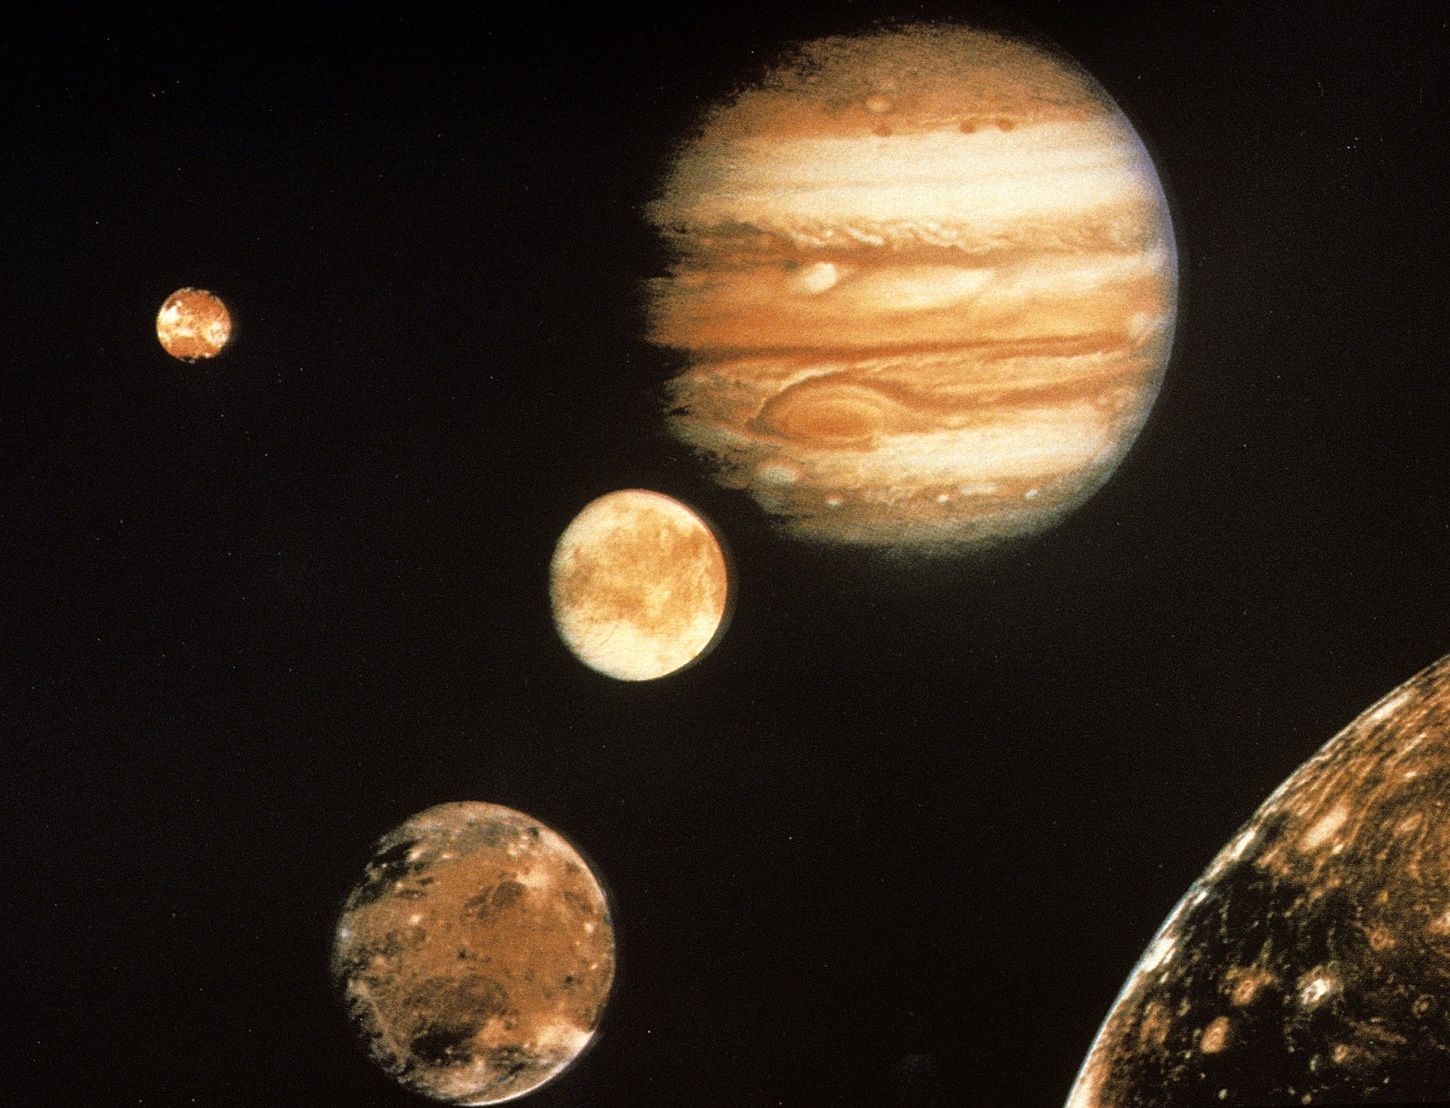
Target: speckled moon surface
(924,283)
(1310,964)
(193,324)
(476,954)
(639,585)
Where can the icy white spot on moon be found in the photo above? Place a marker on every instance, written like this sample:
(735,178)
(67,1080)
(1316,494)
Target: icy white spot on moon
(1385,708)
(1160,952)
(1324,827)
(1315,987)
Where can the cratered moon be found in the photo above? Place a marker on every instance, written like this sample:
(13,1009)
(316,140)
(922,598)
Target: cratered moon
(476,954)
(639,585)
(1310,964)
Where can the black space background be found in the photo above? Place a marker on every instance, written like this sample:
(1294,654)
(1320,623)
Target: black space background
(899,840)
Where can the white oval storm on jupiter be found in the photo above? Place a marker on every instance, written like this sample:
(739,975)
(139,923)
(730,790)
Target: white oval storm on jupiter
(924,282)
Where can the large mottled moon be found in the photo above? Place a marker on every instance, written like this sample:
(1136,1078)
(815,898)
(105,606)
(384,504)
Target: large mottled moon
(193,324)
(924,286)
(1310,964)
(476,954)
(639,585)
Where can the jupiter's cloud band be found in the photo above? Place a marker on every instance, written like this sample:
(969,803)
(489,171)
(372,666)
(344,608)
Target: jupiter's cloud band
(925,284)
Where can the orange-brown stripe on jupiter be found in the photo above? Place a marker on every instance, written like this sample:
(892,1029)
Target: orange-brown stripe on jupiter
(925,281)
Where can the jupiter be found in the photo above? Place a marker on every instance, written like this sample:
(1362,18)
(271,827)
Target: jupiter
(921,289)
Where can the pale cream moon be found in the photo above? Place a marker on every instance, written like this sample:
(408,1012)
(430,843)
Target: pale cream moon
(639,585)
(924,282)
(193,324)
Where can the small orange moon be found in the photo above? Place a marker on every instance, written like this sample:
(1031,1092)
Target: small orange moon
(639,585)
(193,324)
